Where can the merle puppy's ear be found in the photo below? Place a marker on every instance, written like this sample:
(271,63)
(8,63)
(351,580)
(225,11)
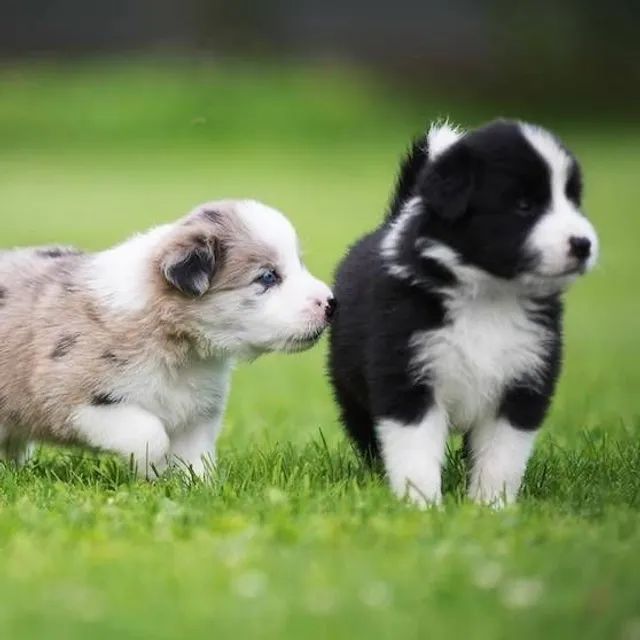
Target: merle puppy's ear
(447,183)
(189,266)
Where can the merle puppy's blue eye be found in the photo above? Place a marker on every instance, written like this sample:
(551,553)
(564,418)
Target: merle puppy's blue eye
(268,278)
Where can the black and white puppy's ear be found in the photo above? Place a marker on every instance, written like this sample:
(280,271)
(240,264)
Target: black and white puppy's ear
(190,265)
(410,170)
(447,183)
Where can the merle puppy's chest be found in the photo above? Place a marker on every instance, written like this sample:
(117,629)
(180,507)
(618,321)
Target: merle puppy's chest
(199,392)
(486,345)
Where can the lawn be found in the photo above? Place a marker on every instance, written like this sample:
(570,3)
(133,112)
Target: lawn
(293,538)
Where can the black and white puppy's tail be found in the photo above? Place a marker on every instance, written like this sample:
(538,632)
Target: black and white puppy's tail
(427,147)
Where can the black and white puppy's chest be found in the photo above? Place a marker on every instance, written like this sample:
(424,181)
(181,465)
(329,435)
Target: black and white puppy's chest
(492,357)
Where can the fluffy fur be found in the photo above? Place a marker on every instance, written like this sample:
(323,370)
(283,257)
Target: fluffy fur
(130,350)
(450,312)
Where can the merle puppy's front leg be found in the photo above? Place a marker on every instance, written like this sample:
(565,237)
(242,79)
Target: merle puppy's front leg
(195,446)
(128,430)
(413,453)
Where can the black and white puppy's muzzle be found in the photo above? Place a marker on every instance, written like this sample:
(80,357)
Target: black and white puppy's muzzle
(562,243)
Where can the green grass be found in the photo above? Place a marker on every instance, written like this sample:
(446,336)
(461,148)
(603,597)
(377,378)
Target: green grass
(293,537)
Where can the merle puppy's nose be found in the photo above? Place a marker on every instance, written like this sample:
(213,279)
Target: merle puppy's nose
(580,247)
(330,309)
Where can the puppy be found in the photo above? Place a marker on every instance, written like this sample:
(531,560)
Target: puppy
(450,312)
(131,350)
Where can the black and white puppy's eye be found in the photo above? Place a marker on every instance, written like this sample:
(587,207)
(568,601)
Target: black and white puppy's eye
(268,278)
(524,206)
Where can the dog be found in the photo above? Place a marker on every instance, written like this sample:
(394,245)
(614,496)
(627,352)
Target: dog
(130,350)
(451,310)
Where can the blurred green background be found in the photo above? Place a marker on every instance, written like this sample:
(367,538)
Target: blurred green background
(94,151)
(122,117)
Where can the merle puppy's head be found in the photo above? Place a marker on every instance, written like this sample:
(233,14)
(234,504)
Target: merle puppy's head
(503,200)
(232,273)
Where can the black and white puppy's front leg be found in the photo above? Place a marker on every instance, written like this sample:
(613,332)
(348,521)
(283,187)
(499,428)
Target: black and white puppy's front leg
(413,454)
(501,447)
(499,455)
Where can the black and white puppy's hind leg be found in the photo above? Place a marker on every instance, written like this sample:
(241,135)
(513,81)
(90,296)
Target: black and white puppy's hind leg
(410,427)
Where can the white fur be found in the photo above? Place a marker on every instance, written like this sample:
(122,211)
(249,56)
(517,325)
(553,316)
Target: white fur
(441,137)
(127,430)
(443,254)
(550,237)
(391,239)
(499,456)
(195,447)
(389,244)
(272,227)
(120,276)
(413,456)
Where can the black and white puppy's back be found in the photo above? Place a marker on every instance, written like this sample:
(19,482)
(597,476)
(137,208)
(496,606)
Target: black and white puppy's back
(450,312)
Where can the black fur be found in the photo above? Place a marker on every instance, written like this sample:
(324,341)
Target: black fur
(104,399)
(3,296)
(64,346)
(191,272)
(481,198)
(58,252)
(411,166)
(110,356)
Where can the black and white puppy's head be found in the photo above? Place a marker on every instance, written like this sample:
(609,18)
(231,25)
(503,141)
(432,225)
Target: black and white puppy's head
(503,200)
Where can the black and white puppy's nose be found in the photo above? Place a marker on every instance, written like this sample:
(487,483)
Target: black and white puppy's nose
(330,309)
(580,247)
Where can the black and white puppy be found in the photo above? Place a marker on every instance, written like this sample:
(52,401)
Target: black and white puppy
(450,312)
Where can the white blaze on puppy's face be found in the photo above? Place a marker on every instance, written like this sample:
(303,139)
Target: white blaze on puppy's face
(563,224)
(291,313)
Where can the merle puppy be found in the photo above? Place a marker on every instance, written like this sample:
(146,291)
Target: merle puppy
(450,312)
(131,350)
